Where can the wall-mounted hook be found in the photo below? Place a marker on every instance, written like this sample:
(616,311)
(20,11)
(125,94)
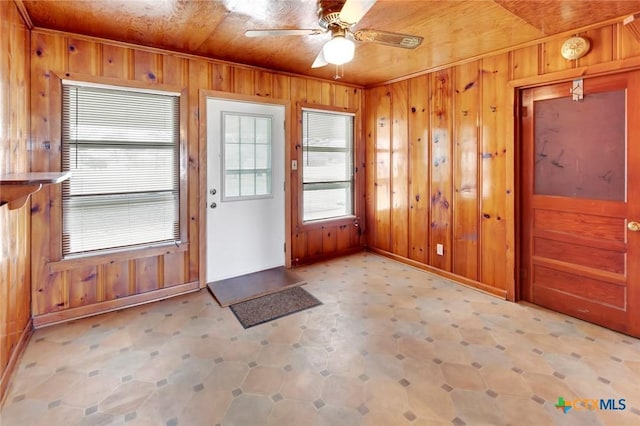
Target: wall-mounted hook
(577,89)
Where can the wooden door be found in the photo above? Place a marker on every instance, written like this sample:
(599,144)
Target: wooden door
(580,199)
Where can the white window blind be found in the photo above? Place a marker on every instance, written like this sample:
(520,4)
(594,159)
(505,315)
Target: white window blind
(327,169)
(122,148)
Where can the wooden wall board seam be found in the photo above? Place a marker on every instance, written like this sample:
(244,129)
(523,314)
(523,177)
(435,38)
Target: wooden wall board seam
(616,47)
(454,164)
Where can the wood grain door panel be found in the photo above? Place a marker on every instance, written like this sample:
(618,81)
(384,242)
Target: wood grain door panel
(579,192)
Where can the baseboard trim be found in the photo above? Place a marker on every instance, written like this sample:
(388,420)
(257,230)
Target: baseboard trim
(6,376)
(309,260)
(113,305)
(476,285)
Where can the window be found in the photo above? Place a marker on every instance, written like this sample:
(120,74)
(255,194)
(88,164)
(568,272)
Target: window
(122,147)
(247,156)
(327,164)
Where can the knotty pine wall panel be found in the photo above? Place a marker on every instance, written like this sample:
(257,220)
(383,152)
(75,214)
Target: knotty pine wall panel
(82,286)
(280,87)
(198,77)
(15,279)
(84,56)
(382,148)
(370,156)
(441,167)
(602,46)
(115,61)
(465,170)
(497,111)
(419,155)
(147,67)
(48,52)
(399,170)
(117,280)
(221,77)
(243,83)
(263,83)
(461,159)
(69,289)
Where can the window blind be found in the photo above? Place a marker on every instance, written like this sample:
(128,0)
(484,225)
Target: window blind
(122,147)
(327,169)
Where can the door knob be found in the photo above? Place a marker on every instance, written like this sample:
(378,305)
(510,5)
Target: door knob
(212,191)
(213,205)
(633,226)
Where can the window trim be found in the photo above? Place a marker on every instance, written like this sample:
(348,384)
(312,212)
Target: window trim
(358,209)
(141,250)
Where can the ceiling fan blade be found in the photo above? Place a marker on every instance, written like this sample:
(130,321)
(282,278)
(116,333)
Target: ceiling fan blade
(282,32)
(353,10)
(406,41)
(320,61)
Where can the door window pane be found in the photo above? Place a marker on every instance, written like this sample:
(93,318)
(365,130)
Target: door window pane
(580,147)
(247,156)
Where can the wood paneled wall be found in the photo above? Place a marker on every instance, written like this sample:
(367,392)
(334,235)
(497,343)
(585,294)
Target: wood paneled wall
(441,153)
(67,289)
(15,292)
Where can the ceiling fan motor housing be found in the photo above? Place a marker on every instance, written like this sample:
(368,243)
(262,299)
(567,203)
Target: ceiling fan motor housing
(329,14)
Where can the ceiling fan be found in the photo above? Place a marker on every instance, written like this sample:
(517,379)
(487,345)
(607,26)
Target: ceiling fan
(337,17)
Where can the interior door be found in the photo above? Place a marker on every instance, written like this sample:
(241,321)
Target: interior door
(245,188)
(581,199)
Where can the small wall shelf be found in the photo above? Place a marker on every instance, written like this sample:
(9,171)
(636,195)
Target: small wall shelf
(16,188)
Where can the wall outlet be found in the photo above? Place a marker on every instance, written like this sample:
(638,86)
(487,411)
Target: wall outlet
(439,249)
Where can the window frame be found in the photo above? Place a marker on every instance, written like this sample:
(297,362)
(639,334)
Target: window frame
(355,176)
(58,260)
(223,170)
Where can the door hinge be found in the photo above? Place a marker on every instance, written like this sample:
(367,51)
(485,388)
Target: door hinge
(525,111)
(285,247)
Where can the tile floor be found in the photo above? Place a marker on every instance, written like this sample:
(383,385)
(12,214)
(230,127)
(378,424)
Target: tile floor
(391,345)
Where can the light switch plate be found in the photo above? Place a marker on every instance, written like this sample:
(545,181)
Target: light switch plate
(294,164)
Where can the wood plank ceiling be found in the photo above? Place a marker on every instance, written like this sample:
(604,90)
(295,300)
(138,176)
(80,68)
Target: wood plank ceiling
(453,30)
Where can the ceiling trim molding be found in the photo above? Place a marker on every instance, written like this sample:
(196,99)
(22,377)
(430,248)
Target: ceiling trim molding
(24,13)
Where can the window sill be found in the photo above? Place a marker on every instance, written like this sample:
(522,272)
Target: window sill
(114,257)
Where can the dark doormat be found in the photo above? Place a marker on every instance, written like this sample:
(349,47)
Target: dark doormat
(249,286)
(276,305)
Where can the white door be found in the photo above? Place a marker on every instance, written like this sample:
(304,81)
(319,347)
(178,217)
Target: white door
(245,188)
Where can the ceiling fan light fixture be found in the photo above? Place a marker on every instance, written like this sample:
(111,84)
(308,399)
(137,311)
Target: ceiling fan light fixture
(339,50)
